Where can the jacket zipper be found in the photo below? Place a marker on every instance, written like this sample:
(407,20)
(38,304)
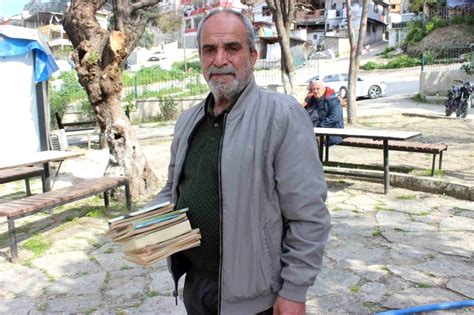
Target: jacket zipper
(219,172)
(175,292)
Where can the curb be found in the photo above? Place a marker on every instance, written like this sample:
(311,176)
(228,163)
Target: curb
(417,183)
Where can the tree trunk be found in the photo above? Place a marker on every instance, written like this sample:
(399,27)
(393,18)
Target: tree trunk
(99,56)
(354,60)
(283,12)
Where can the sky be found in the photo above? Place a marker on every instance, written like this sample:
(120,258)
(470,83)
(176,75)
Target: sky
(11,7)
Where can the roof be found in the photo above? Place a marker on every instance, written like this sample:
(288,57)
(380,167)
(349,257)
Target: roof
(17,41)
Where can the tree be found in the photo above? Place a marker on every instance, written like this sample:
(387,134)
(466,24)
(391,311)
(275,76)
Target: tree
(147,40)
(283,12)
(354,59)
(99,56)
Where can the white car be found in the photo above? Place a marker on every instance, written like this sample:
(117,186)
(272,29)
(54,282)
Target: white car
(366,87)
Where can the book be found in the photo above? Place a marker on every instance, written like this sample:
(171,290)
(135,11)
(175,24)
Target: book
(157,236)
(141,225)
(150,254)
(153,233)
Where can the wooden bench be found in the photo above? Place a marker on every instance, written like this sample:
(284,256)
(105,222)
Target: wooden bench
(19,173)
(23,207)
(406,146)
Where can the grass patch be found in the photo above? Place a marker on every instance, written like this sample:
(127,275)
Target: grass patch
(430,274)
(152,293)
(93,259)
(422,214)
(386,269)
(368,124)
(356,211)
(406,197)
(423,285)
(90,311)
(337,209)
(109,250)
(97,245)
(124,267)
(376,232)
(106,282)
(94,214)
(399,230)
(354,288)
(37,244)
(42,307)
(419,99)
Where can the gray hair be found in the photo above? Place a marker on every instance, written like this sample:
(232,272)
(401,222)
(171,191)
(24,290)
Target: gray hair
(248,26)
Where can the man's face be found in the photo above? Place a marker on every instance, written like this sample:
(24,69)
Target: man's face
(226,60)
(319,89)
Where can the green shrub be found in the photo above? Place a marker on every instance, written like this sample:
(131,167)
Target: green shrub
(197,88)
(169,108)
(192,66)
(402,61)
(69,92)
(371,65)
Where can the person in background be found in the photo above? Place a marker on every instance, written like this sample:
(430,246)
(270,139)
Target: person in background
(237,164)
(324,108)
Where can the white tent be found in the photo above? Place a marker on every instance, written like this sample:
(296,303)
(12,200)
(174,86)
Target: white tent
(25,66)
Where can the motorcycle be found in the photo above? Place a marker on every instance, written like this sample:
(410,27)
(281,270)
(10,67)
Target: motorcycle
(459,99)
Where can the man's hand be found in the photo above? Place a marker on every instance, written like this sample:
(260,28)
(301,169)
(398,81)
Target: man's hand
(283,306)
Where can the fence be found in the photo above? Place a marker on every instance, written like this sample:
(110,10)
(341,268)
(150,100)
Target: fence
(455,58)
(154,83)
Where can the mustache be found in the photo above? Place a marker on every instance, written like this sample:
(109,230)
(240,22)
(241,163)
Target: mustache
(222,70)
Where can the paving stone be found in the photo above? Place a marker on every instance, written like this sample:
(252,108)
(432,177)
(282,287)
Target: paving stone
(450,243)
(395,284)
(361,225)
(32,281)
(389,220)
(163,284)
(374,272)
(334,304)
(114,261)
(400,254)
(332,281)
(448,267)
(417,277)
(23,305)
(350,250)
(74,305)
(419,296)
(457,223)
(67,263)
(125,287)
(463,286)
(372,291)
(85,285)
(71,244)
(159,305)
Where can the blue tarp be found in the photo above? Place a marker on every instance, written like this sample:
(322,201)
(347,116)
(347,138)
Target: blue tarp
(14,43)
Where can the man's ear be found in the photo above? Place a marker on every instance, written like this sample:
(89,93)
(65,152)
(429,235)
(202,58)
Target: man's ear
(254,56)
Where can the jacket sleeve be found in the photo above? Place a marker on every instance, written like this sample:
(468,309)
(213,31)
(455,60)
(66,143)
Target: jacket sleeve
(302,193)
(334,116)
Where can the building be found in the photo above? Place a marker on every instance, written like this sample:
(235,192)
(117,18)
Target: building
(195,10)
(377,21)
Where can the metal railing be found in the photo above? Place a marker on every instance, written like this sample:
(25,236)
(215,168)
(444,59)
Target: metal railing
(454,58)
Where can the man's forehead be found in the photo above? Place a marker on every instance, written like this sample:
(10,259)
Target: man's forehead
(224,27)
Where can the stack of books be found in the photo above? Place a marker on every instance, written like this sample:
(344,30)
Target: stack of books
(153,233)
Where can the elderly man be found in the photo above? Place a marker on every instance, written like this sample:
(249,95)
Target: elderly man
(324,108)
(242,161)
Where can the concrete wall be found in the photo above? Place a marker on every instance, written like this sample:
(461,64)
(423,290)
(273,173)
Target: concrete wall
(339,45)
(439,82)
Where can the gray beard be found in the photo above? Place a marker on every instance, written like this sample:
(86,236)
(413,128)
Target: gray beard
(230,91)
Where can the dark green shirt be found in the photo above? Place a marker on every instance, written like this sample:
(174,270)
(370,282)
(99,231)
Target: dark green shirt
(199,189)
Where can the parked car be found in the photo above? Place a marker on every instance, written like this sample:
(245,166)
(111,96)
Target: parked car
(157,56)
(366,87)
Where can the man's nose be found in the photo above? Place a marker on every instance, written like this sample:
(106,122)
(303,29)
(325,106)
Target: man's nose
(221,58)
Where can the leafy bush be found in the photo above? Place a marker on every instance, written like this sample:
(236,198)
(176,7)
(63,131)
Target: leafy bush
(69,92)
(416,32)
(169,108)
(192,66)
(153,74)
(402,61)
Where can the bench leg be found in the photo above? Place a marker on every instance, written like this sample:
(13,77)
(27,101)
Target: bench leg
(440,159)
(433,165)
(327,150)
(12,240)
(321,148)
(27,185)
(106,199)
(386,168)
(43,182)
(128,197)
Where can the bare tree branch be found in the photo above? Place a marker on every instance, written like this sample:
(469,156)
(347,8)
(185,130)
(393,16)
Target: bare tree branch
(120,13)
(142,4)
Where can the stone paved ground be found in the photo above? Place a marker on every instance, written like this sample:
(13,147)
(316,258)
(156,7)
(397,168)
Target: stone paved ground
(385,251)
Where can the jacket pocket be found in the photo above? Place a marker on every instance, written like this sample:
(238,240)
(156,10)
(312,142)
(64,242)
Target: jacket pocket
(273,260)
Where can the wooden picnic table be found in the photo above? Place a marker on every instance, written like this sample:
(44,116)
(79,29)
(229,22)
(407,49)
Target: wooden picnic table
(42,157)
(375,134)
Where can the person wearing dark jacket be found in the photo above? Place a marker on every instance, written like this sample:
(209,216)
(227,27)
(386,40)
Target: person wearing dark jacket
(324,108)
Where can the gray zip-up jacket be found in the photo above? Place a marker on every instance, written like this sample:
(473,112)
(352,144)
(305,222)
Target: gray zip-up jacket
(274,221)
